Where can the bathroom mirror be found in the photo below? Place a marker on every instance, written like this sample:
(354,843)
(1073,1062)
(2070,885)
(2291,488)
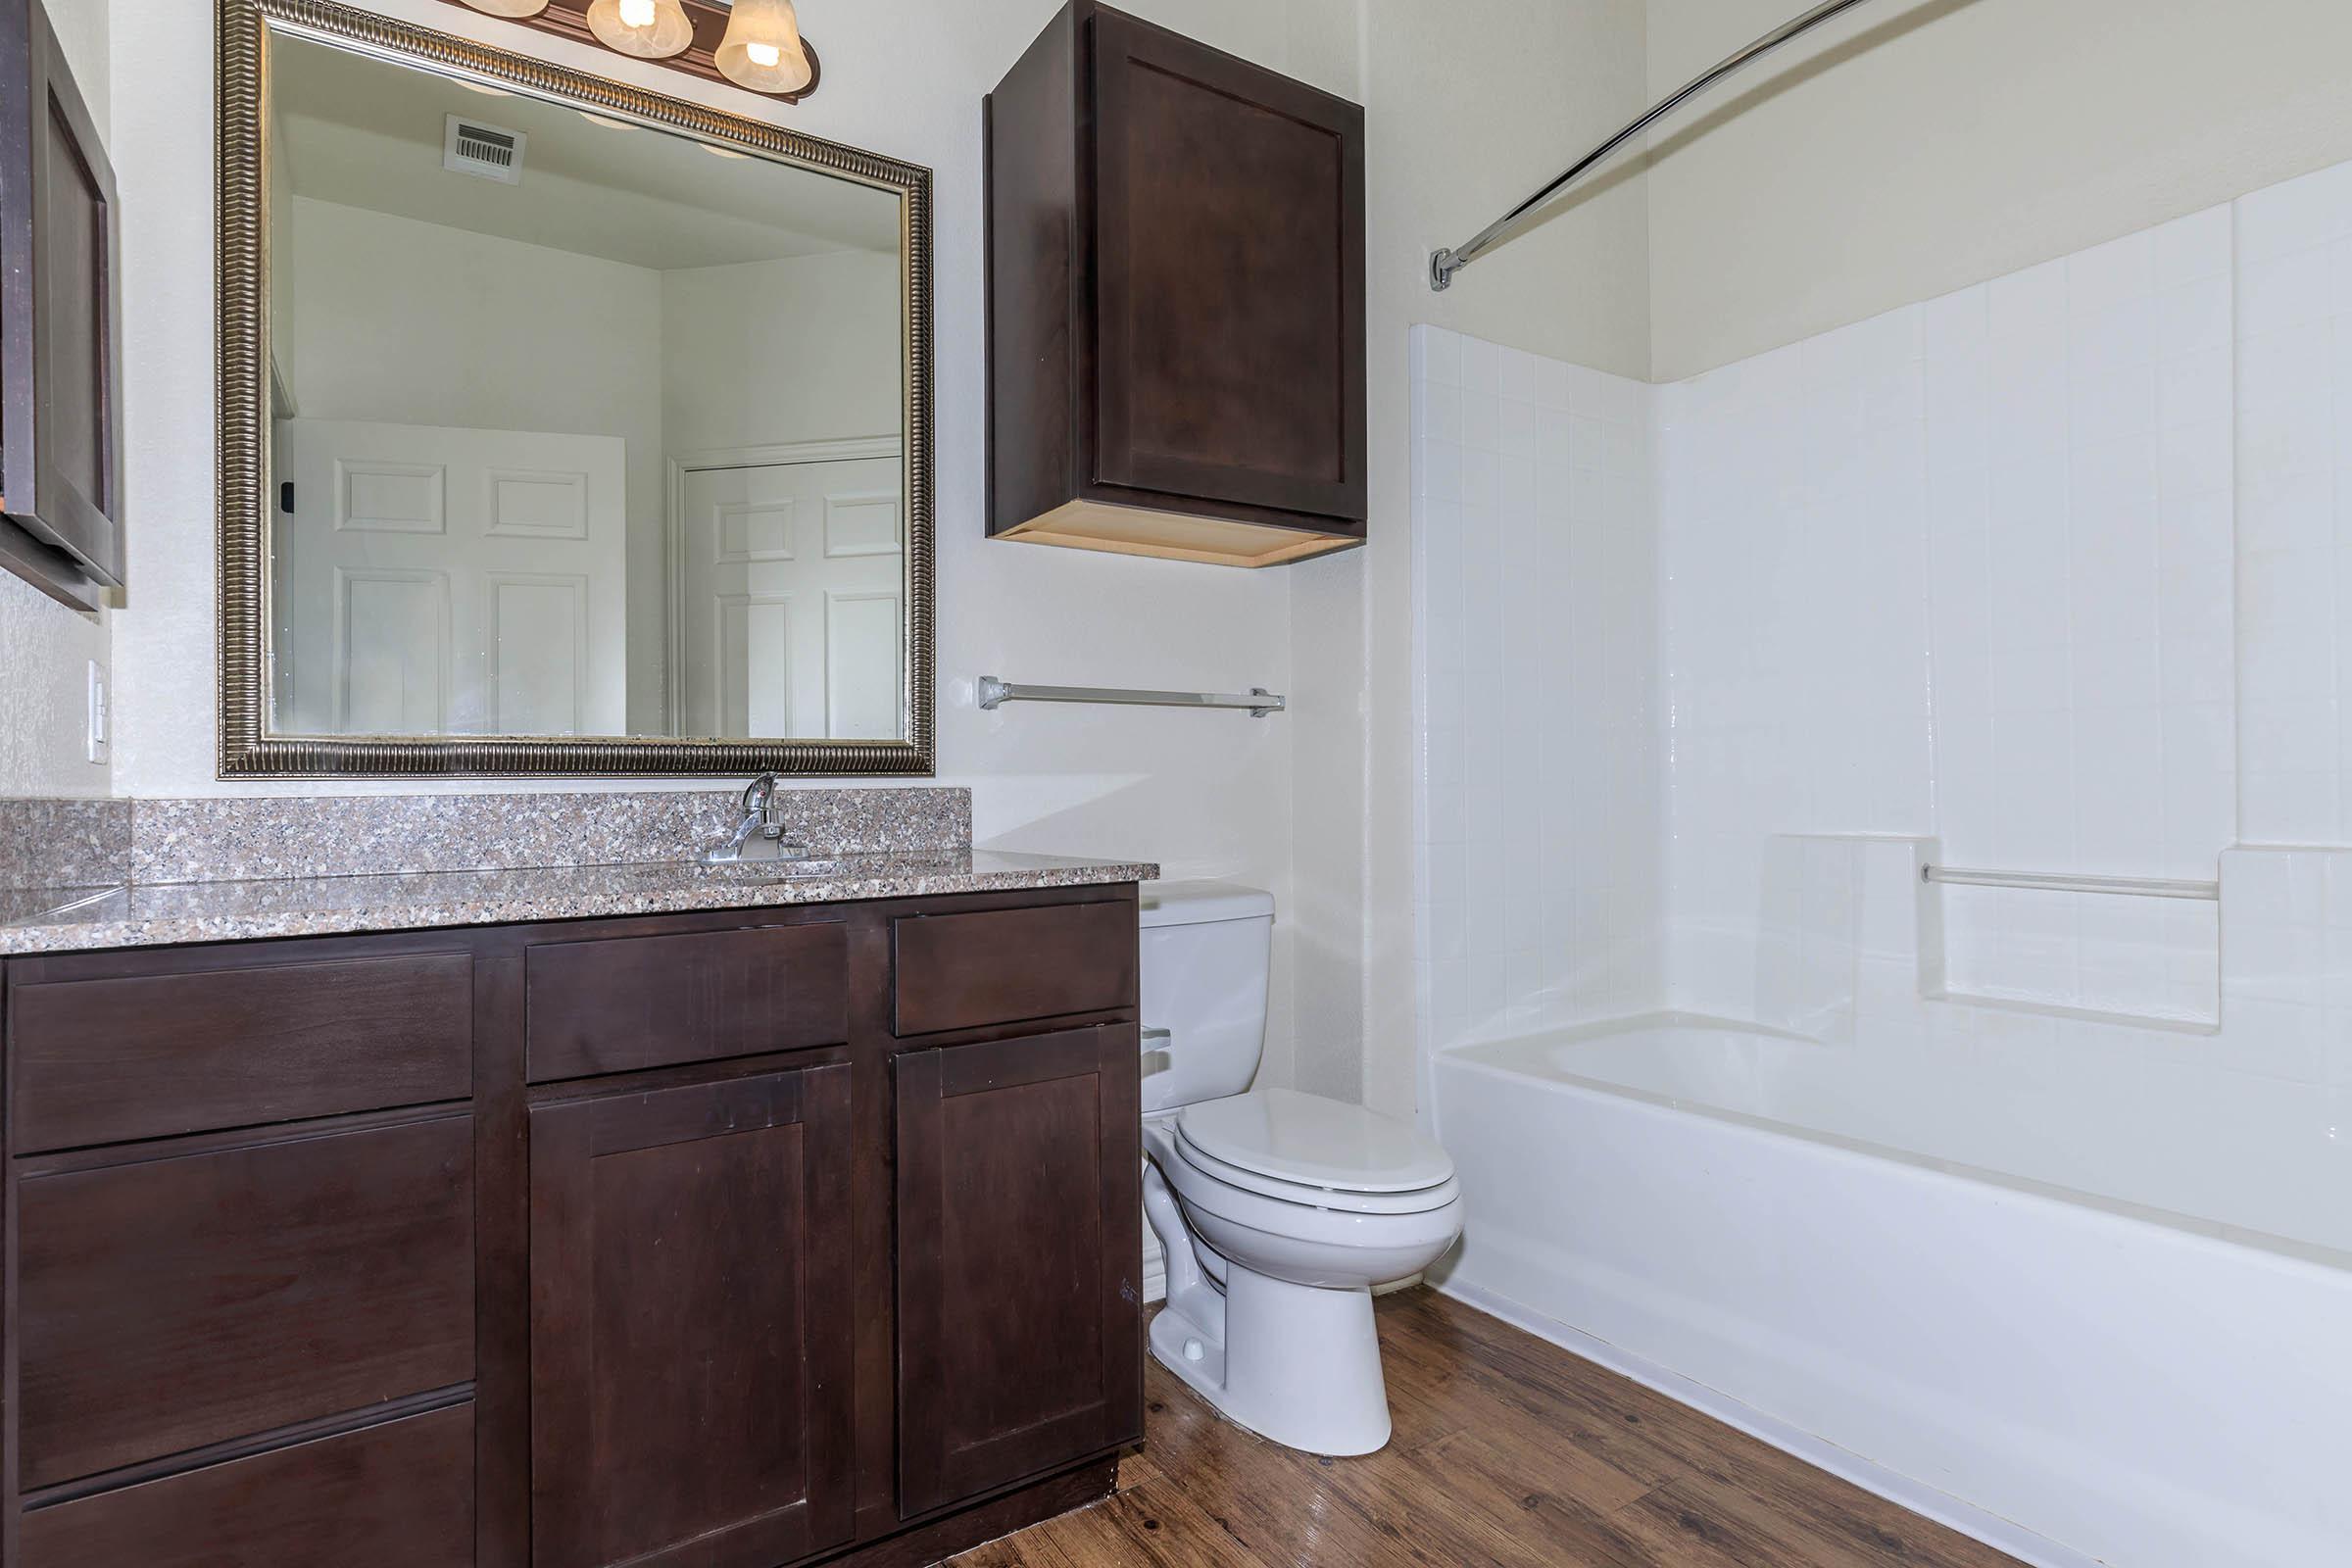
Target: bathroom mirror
(566,427)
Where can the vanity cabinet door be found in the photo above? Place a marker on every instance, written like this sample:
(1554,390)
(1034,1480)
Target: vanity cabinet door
(1020,1260)
(691,1316)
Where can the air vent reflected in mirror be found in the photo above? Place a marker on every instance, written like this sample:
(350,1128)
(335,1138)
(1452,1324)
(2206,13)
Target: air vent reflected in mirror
(487,151)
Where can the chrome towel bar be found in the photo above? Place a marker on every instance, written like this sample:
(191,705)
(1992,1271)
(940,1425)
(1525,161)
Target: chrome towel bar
(1257,700)
(2143,887)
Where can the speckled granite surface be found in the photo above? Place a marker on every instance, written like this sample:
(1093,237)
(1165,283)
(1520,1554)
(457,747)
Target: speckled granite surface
(138,916)
(51,844)
(248,837)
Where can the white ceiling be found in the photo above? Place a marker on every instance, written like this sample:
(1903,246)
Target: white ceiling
(367,133)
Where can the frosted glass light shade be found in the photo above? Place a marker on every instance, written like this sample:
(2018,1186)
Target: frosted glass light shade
(509,7)
(762,50)
(648,29)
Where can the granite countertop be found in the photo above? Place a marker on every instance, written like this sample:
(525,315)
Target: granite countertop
(156,914)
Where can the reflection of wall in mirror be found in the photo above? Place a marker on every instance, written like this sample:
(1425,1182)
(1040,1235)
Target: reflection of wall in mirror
(413,324)
(765,359)
(388,319)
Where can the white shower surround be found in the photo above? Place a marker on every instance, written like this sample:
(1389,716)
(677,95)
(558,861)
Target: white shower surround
(2051,574)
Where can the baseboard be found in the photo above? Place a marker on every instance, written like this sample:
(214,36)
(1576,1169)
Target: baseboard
(1900,1490)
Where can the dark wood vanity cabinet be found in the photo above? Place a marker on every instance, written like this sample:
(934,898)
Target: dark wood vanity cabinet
(691,1312)
(1017,1355)
(727,1240)
(60,521)
(1175,301)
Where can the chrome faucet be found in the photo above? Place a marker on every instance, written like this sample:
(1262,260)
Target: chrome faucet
(760,836)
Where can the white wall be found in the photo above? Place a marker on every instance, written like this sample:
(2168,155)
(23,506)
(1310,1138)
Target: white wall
(1918,146)
(46,649)
(821,365)
(2295,485)
(1471,108)
(1539,890)
(419,323)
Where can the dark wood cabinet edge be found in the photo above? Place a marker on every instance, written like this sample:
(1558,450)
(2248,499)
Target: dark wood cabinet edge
(48,568)
(12,1466)
(337,1425)
(231,1140)
(1297,89)
(932,1538)
(232,956)
(501,1261)
(987,312)
(682,1075)
(785,917)
(1012,1029)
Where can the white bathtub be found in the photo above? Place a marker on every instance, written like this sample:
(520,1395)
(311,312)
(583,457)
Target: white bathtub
(2088,1317)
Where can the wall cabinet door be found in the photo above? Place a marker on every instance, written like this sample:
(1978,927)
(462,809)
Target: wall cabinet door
(690,1324)
(1020,1342)
(1229,235)
(60,526)
(1176,301)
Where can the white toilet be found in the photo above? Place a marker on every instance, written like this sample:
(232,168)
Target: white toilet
(1278,1211)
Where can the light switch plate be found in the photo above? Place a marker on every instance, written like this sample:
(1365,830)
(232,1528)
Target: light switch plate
(100,720)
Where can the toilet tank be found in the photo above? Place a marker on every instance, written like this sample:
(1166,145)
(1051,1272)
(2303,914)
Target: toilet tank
(1207,950)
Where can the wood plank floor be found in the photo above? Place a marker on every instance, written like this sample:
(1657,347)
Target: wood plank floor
(1509,1450)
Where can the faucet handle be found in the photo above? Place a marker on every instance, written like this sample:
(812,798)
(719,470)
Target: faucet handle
(759,797)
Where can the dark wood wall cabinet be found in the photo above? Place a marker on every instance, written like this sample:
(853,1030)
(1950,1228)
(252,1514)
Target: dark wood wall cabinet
(731,1239)
(61,516)
(1175,301)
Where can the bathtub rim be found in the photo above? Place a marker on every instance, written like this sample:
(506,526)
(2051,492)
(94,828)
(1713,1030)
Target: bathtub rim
(1462,1055)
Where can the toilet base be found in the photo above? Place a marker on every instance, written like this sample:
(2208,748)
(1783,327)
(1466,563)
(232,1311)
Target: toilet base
(1299,1364)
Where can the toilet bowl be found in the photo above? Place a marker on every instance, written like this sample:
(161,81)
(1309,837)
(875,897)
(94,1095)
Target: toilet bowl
(1279,1212)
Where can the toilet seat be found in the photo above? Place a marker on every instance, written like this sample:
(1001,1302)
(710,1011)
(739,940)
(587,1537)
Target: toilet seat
(1419,1201)
(1316,1152)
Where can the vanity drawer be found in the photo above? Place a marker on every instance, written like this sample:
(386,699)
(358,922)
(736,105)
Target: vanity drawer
(966,971)
(108,1061)
(174,1302)
(633,1002)
(399,1495)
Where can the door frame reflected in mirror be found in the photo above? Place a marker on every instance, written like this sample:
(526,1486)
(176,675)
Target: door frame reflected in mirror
(249,747)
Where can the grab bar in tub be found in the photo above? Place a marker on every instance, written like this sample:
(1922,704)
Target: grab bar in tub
(2144,886)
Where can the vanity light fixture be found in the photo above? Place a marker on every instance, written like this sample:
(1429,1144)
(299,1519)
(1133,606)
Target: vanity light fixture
(762,50)
(756,46)
(646,29)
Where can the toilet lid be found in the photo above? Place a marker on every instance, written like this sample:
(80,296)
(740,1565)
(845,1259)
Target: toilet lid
(1314,1141)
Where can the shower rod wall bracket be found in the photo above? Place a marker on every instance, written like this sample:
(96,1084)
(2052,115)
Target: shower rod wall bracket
(1443,265)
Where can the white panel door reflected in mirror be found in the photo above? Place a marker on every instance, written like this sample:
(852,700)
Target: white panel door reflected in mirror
(579,427)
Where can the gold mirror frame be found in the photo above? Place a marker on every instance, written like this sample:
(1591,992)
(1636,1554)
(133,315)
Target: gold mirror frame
(246,747)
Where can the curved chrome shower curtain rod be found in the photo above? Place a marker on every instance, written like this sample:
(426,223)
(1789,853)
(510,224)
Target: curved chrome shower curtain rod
(1443,265)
